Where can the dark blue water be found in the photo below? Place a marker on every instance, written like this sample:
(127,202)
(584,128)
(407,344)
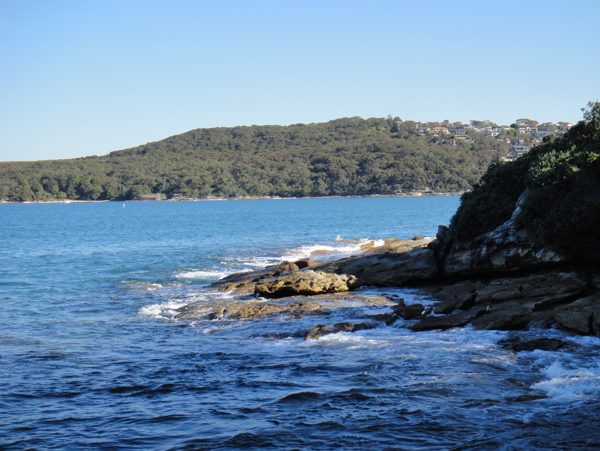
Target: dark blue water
(94,356)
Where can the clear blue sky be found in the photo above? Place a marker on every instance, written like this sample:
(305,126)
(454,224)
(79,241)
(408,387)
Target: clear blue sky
(86,77)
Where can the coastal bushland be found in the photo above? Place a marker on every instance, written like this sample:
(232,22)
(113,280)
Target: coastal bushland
(561,182)
(342,157)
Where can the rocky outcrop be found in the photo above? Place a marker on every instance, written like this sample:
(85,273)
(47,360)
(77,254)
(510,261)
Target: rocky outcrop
(502,250)
(499,281)
(305,283)
(244,282)
(395,263)
(547,299)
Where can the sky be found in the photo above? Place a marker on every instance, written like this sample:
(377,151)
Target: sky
(87,77)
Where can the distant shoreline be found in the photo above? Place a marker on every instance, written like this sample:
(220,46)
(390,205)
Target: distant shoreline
(216,199)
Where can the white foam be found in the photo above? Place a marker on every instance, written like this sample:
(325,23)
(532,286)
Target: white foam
(342,246)
(345,340)
(149,286)
(165,310)
(570,384)
(201,274)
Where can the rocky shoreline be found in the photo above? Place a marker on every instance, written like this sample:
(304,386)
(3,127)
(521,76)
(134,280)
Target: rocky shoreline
(498,281)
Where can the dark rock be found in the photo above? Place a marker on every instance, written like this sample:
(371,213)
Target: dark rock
(457,319)
(387,318)
(320,330)
(409,312)
(526,398)
(305,263)
(544,344)
(457,296)
(510,316)
(578,316)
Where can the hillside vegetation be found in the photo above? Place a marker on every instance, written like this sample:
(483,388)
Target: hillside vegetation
(343,157)
(561,209)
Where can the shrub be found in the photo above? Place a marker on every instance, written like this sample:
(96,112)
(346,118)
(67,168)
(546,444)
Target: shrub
(562,211)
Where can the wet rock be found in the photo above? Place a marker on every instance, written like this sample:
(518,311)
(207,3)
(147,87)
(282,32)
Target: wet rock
(243,282)
(581,316)
(457,319)
(409,312)
(387,318)
(514,317)
(527,397)
(368,245)
(306,283)
(249,310)
(320,330)
(457,296)
(544,344)
(305,263)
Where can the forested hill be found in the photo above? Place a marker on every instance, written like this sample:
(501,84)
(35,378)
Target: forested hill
(349,156)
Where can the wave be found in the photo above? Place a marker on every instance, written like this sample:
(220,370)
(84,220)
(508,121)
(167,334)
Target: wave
(164,310)
(149,286)
(336,249)
(201,274)
(566,383)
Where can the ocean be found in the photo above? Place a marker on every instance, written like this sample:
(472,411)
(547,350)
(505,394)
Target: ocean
(94,354)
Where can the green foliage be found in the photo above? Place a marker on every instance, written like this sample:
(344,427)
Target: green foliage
(343,157)
(562,209)
(491,202)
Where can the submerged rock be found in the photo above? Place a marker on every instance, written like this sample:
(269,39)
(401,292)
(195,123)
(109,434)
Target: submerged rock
(320,330)
(544,344)
(444,322)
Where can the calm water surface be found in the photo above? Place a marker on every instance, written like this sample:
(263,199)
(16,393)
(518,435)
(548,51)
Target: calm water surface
(92,356)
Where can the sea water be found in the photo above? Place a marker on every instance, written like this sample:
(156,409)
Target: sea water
(93,354)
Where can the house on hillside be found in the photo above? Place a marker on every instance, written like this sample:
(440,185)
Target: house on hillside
(519,149)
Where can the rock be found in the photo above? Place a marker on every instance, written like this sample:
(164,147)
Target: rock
(392,269)
(320,330)
(457,319)
(305,263)
(368,245)
(250,310)
(513,317)
(243,282)
(499,290)
(544,344)
(306,282)
(504,249)
(457,296)
(579,316)
(409,312)
(387,318)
